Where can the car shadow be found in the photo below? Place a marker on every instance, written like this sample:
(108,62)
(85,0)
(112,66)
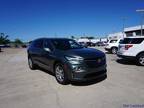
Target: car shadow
(74,83)
(45,71)
(1,50)
(90,82)
(108,52)
(126,62)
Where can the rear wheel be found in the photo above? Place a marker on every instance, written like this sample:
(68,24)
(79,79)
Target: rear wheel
(114,50)
(60,74)
(140,59)
(31,64)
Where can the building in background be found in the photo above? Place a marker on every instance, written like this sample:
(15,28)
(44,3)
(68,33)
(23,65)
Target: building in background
(85,40)
(128,32)
(104,39)
(95,40)
(134,31)
(117,35)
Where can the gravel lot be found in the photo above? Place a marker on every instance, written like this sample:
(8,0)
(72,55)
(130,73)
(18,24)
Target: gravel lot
(21,87)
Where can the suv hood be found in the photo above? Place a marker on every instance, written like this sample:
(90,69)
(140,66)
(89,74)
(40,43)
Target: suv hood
(86,53)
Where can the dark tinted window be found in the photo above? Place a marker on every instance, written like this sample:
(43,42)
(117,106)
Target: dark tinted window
(38,43)
(121,41)
(132,40)
(47,44)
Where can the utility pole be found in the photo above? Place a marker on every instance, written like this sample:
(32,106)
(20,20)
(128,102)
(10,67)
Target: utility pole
(124,20)
(141,11)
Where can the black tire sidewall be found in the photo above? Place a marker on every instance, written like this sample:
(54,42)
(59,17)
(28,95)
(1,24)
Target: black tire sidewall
(33,65)
(65,81)
(138,57)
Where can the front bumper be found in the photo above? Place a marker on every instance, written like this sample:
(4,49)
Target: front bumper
(89,74)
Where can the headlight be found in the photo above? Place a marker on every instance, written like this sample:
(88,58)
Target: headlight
(74,59)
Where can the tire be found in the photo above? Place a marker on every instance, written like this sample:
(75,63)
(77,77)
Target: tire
(140,59)
(114,50)
(60,74)
(31,64)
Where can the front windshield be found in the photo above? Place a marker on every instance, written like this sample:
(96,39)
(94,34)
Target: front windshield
(66,44)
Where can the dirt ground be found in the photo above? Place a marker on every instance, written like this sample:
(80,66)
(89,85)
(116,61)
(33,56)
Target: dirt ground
(21,87)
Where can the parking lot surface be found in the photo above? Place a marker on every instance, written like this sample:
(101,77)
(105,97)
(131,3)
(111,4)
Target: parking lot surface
(21,87)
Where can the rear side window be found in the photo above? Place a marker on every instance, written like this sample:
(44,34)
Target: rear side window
(132,40)
(38,43)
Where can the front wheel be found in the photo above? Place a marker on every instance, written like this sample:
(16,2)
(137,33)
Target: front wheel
(60,74)
(140,59)
(114,50)
(31,64)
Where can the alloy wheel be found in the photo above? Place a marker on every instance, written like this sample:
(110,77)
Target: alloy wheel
(114,50)
(30,63)
(59,72)
(141,60)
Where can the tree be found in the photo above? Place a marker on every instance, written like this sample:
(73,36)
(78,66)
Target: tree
(82,37)
(4,39)
(18,42)
(87,37)
(72,37)
(91,37)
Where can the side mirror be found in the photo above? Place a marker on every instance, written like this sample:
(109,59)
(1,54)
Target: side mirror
(47,49)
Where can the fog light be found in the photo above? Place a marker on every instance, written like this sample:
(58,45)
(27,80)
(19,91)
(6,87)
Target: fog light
(77,68)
